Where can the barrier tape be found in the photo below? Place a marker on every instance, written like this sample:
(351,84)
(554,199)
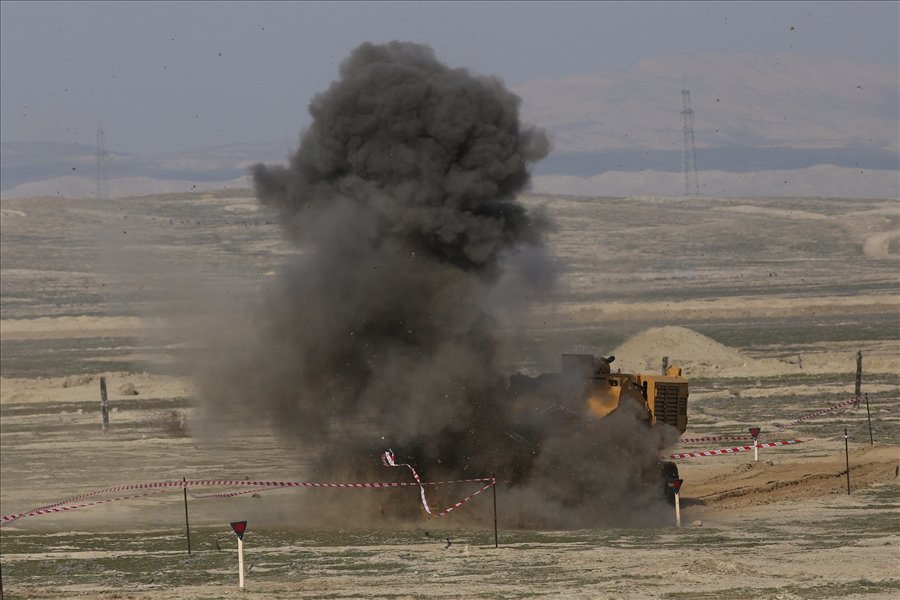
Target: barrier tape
(732,450)
(388,459)
(160,487)
(833,408)
(777,428)
(716,438)
(226,494)
(492,483)
(58,507)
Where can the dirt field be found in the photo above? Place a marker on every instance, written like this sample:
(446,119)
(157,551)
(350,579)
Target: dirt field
(763,302)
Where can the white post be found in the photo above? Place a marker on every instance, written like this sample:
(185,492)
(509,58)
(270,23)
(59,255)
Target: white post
(677,510)
(241,562)
(754,433)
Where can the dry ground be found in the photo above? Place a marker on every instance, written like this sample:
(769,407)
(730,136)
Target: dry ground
(764,302)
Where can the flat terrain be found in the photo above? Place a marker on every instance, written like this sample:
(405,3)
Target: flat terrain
(764,303)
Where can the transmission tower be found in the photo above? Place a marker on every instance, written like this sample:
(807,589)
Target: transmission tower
(689,156)
(102,160)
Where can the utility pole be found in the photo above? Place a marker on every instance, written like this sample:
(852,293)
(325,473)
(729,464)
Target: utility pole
(102,160)
(689,156)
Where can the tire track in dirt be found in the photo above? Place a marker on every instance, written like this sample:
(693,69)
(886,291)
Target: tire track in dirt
(878,245)
(753,484)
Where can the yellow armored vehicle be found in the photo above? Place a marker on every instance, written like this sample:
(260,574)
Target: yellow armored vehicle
(587,392)
(664,397)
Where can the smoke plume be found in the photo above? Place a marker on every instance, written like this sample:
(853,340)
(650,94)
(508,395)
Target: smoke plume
(382,331)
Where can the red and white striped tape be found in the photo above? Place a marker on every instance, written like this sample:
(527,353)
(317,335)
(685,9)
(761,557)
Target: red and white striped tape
(715,438)
(160,487)
(226,494)
(387,458)
(832,408)
(731,450)
(775,429)
(65,507)
(491,483)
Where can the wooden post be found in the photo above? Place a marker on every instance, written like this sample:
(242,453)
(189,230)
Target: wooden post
(858,376)
(496,537)
(104,407)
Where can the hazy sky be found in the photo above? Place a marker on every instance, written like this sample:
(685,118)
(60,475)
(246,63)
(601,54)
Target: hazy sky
(170,76)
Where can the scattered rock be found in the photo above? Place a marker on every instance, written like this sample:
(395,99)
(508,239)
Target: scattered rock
(697,523)
(77,380)
(127,389)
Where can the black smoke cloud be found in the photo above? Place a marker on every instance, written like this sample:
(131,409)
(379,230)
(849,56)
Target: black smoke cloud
(402,201)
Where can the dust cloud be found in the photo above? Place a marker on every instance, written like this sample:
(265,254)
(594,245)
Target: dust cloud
(382,332)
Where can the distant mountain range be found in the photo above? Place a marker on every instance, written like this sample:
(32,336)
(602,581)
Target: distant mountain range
(25,163)
(763,125)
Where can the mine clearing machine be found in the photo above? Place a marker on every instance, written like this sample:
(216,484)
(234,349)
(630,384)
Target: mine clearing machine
(588,390)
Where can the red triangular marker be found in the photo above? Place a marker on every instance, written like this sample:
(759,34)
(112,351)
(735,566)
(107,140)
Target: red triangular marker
(239,528)
(676,484)
(754,432)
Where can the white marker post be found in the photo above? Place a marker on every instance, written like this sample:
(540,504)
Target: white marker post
(240,562)
(754,433)
(239,528)
(676,485)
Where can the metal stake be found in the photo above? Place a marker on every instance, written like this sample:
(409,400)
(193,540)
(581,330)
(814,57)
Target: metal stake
(187,524)
(496,538)
(847,454)
(869,416)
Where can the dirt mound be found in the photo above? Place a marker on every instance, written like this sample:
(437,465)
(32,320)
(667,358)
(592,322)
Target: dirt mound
(684,347)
